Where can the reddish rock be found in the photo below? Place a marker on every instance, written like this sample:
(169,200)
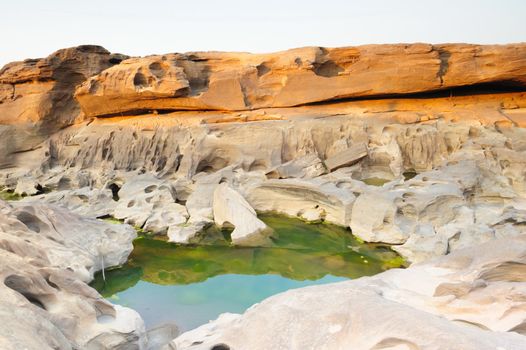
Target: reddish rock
(40,91)
(243,81)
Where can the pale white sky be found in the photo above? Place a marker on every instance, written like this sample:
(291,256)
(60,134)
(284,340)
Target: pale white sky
(35,28)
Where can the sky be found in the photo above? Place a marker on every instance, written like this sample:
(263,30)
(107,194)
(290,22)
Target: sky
(36,28)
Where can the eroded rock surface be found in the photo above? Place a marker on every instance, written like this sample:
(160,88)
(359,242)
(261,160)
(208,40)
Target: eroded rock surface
(470,187)
(36,95)
(175,143)
(242,81)
(470,299)
(46,256)
(231,208)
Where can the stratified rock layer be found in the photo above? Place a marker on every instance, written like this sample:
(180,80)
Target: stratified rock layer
(242,81)
(36,95)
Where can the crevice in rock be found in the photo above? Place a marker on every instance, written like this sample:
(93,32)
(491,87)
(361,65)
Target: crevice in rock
(115,60)
(262,69)
(22,285)
(32,222)
(500,87)
(114,191)
(444,56)
(139,80)
(134,112)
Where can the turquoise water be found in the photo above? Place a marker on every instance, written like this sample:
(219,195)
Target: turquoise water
(192,305)
(192,284)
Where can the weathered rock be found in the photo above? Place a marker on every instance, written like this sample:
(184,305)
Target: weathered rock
(372,219)
(85,201)
(188,232)
(242,81)
(174,144)
(148,202)
(231,208)
(438,211)
(103,244)
(295,197)
(467,149)
(26,186)
(308,166)
(346,157)
(161,335)
(470,299)
(413,218)
(40,91)
(46,255)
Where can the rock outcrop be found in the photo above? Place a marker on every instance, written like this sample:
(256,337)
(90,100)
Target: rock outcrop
(470,299)
(231,208)
(243,81)
(149,203)
(168,175)
(295,197)
(46,256)
(36,95)
(178,142)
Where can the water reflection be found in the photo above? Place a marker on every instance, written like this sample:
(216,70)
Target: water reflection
(192,284)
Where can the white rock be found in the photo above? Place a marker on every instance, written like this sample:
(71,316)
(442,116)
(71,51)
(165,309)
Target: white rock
(46,255)
(26,186)
(84,201)
(373,219)
(187,232)
(231,208)
(164,216)
(313,214)
(293,196)
(82,244)
(308,166)
(470,299)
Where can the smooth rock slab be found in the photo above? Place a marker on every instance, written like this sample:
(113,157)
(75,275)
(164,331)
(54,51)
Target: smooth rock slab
(470,299)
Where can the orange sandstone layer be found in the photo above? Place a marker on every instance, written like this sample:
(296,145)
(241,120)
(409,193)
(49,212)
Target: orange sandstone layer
(243,81)
(70,85)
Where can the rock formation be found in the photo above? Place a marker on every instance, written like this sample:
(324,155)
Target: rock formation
(37,94)
(46,256)
(242,81)
(231,208)
(467,300)
(175,143)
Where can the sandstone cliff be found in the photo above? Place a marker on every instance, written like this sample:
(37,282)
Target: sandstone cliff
(40,91)
(241,81)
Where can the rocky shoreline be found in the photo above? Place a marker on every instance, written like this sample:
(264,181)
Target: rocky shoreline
(174,143)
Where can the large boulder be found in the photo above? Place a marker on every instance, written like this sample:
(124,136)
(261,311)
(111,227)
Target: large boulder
(36,98)
(231,208)
(460,204)
(149,203)
(295,197)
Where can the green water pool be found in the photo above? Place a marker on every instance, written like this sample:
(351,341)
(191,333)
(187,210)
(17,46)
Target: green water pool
(190,285)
